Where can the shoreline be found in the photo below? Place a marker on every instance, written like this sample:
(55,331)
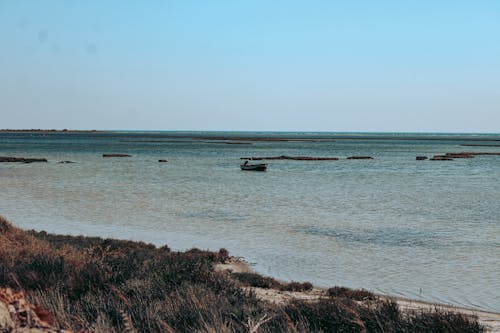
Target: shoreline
(256,136)
(490,319)
(33,130)
(62,281)
(239,264)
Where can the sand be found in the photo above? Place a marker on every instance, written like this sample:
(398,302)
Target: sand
(238,265)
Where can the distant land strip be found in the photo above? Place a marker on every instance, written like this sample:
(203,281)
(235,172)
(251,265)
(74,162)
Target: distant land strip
(276,137)
(38,130)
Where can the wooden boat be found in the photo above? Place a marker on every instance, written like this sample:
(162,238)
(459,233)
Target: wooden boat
(253,167)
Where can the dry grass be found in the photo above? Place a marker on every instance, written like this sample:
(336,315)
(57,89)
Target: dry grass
(106,285)
(249,279)
(354,294)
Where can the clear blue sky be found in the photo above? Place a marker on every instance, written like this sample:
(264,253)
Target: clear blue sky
(251,65)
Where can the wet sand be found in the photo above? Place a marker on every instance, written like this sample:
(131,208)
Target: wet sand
(238,265)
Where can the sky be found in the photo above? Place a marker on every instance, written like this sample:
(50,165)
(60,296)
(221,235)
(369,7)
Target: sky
(260,65)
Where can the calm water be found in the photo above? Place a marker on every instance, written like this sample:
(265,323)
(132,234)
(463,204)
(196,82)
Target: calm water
(418,229)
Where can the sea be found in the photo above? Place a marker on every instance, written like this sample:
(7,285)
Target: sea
(425,230)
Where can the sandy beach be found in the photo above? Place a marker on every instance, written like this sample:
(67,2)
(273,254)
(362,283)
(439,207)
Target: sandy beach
(491,320)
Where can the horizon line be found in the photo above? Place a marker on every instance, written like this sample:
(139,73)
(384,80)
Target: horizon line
(237,131)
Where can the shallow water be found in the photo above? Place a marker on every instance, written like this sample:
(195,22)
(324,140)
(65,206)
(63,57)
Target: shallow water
(420,229)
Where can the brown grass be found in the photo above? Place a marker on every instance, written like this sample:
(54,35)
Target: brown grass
(355,294)
(106,285)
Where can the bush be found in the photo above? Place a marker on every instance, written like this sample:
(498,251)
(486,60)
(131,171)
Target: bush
(326,315)
(354,294)
(297,286)
(104,285)
(256,280)
(443,321)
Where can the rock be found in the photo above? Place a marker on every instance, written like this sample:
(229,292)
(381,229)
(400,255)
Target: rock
(459,155)
(66,162)
(294,158)
(6,323)
(484,153)
(115,155)
(162,161)
(17,314)
(360,158)
(421,158)
(479,153)
(441,158)
(21,159)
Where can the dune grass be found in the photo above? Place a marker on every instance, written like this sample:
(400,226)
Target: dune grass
(106,285)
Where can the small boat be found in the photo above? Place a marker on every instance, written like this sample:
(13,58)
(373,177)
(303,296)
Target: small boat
(253,167)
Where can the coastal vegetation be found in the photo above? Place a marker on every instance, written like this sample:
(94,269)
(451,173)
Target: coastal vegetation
(90,284)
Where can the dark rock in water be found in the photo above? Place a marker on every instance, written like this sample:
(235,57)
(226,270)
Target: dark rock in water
(237,143)
(65,162)
(477,153)
(459,155)
(421,158)
(21,159)
(294,158)
(307,158)
(162,161)
(360,158)
(484,153)
(115,155)
(441,158)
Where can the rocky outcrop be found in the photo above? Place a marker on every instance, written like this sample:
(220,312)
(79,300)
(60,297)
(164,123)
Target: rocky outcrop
(482,153)
(6,322)
(18,315)
(116,155)
(459,155)
(305,158)
(360,158)
(162,161)
(295,158)
(441,158)
(21,159)
(421,158)
(65,162)
(452,156)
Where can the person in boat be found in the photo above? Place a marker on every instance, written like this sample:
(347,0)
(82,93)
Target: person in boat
(246,162)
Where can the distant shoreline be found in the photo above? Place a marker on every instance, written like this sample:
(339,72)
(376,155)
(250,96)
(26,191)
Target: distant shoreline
(245,137)
(47,131)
